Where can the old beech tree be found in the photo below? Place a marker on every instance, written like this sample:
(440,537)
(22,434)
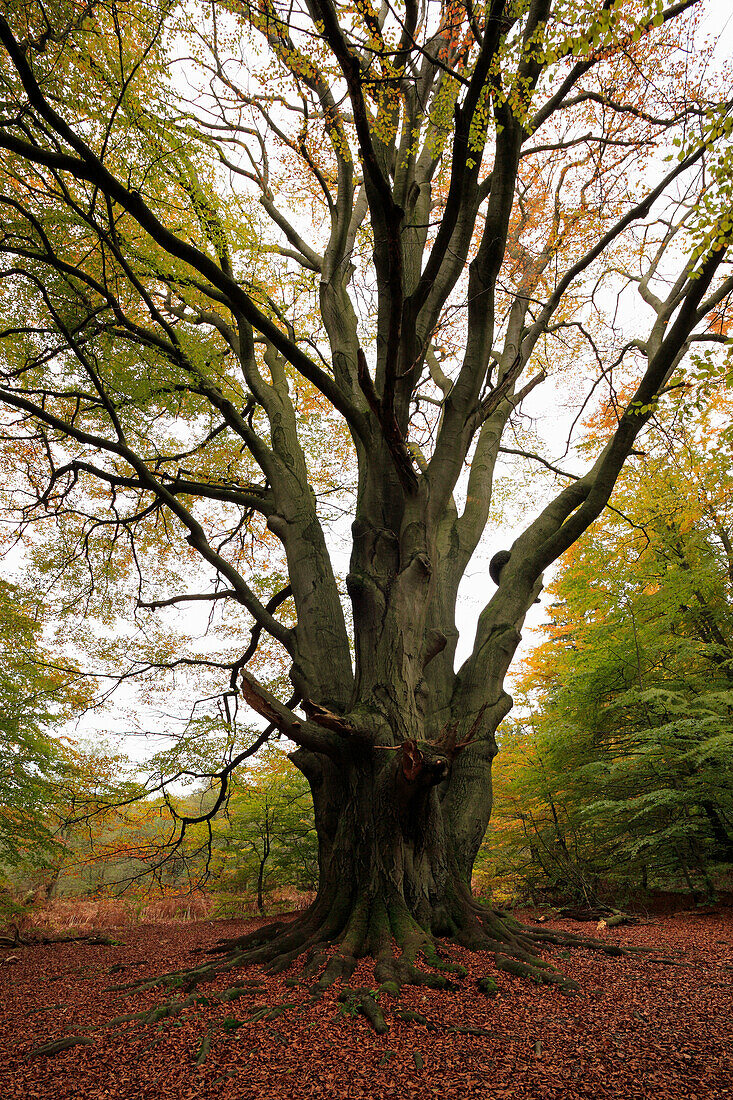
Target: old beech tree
(228,224)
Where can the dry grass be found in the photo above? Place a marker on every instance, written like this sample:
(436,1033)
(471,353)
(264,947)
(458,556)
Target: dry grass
(83,914)
(291,899)
(179,908)
(242,907)
(80,913)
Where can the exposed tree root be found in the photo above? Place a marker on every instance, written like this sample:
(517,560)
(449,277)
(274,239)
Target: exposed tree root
(57,1046)
(330,944)
(204,1047)
(330,941)
(13,938)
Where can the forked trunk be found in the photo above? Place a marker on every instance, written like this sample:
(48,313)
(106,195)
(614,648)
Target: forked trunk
(402,787)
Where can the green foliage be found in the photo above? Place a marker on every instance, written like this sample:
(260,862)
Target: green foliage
(268,841)
(622,769)
(38,773)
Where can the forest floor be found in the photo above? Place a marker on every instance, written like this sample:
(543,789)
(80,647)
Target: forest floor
(638,1028)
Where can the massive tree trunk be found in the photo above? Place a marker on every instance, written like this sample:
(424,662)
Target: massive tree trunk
(400,817)
(395,879)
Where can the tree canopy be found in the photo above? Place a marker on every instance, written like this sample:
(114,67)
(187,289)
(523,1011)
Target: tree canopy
(268,267)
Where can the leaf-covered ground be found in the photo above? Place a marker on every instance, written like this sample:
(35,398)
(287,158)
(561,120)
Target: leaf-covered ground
(639,1027)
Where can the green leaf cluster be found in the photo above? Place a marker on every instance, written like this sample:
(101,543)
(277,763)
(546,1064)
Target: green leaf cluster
(619,775)
(38,772)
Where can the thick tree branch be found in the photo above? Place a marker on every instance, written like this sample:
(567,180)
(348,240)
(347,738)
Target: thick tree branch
(307,734)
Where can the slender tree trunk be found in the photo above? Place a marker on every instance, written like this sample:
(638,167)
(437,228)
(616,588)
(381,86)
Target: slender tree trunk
(721,836)
(261,877)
